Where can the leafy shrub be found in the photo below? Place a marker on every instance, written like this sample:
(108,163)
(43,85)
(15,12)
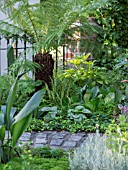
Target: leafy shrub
(5,83)
(26,88)
(112,17)
(36,125)
(94,154)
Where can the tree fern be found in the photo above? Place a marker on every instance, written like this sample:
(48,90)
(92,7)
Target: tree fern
(46,22)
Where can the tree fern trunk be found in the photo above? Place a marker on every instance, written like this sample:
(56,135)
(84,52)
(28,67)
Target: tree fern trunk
(46,73)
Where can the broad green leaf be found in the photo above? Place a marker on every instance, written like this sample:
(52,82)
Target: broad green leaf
(1,152)
(1,119)
(70,111)
(118,95)
(9,102)
(19,127)
(32,104)
(2,132)
(83,89)
(47,109)
(89,105)
(95,91)
(87,96)
(110,98)
(12,111)
(86,111)
(100,82)
(2,127)
(3,109)
(10,55)
(79,108)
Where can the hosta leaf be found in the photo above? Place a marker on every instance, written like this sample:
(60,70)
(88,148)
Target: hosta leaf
(70,111)
(86,111)
(79,108)
(47,109)
(87,96)
(110,98)
(95,91)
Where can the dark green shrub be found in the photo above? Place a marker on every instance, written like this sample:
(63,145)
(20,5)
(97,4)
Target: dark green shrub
(113,19)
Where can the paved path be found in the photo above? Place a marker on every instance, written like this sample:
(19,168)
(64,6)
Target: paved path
(63,139)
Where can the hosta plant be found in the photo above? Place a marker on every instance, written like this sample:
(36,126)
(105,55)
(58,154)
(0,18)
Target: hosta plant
(95,155)
(14,124)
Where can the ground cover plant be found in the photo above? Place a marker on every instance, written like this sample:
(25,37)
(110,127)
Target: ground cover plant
(44,158)
(36,163)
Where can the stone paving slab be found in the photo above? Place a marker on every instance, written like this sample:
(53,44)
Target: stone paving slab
(70,144)
(25,137)
(56,142)
(75,138)
(63,139)
(41,140)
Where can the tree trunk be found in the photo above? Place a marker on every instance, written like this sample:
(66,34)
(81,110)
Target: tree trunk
(45,74)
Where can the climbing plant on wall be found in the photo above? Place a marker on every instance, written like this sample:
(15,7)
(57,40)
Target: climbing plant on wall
(113,18)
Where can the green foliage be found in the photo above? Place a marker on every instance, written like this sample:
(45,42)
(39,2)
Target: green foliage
(62,92)
(47,152)
(25,89)
(113,19)
(117,133)
(77,102)
(36,125)
(87,100)
(47,33)
(15,124)
(73,122)
(22,64)
(95,154)
(27,163)
(5,83)
(10,55)
(80,69)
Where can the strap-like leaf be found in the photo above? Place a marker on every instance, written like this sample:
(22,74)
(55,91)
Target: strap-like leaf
(2,133)
(18,128)
(9,103)
(32,104)
(1,119)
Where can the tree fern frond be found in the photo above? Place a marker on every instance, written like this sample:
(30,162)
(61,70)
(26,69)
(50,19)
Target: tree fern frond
(11,29)
(48,21)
